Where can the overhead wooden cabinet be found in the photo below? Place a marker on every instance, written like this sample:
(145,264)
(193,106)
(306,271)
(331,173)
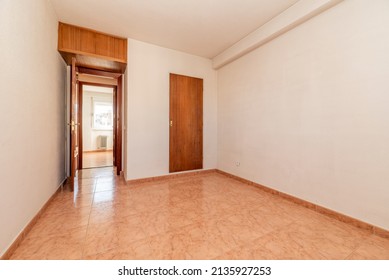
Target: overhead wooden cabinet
(91,48)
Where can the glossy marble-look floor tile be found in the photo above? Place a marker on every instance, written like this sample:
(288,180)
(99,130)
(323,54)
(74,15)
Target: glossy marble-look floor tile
(61,246)
(208,216)
(97,159)
(373,248)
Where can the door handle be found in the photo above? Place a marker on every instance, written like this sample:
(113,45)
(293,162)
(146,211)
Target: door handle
(73,124)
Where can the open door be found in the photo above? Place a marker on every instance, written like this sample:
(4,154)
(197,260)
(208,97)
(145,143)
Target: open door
(118,126)
(114,125)
(74,124)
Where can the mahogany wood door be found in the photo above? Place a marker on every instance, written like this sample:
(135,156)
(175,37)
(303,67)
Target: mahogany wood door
(114,107)
(74,123)
(118,126)
(186,123)
(80,93)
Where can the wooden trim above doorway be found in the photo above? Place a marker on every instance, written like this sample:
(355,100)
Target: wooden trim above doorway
(97,79)
(98,151)
(96,72)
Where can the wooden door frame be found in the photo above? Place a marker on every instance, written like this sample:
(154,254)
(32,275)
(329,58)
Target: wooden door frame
(117,122)
(80,116)
(96,72)
(73,165)
(80,141)
(119,126)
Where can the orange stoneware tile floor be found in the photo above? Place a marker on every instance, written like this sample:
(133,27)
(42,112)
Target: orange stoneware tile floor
(206,216)
(97,159)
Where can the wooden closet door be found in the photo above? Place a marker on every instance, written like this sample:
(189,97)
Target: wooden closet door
(186,123)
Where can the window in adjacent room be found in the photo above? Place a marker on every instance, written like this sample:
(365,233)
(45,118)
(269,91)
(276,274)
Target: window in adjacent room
(102,115)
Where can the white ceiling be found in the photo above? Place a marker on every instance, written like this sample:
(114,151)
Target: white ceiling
(200,27)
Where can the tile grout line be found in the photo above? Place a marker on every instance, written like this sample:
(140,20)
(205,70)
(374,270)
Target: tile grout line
(356,248)
(364,241)
(181,202)
(314,207)
(95,177)
(87,227)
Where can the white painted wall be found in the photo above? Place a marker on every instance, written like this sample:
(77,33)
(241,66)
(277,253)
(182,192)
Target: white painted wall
(89,134)
(307,113)
(32,90)
(148,107)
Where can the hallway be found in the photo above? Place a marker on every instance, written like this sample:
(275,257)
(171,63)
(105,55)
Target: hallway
(207,216)
(97,159)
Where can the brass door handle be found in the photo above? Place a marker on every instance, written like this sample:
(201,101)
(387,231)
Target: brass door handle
(73,124)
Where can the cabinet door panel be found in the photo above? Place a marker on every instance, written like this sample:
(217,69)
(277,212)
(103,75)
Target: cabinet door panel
(78,40)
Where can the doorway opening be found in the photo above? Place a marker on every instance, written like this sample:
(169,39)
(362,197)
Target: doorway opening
(97,126)
(95,120)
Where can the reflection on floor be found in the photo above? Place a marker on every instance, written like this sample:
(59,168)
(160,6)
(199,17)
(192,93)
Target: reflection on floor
(208,216)
(97,159)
